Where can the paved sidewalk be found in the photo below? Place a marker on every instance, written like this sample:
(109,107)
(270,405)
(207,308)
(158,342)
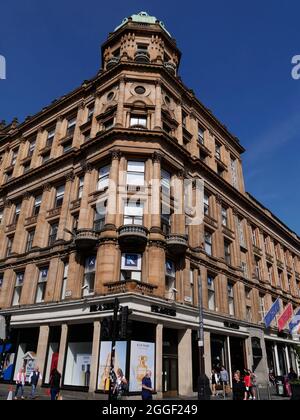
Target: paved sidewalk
(43,394)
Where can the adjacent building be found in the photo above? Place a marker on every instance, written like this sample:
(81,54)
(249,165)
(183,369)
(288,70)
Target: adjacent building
(90,189)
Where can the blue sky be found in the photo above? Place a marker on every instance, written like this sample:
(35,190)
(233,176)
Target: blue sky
(236,56)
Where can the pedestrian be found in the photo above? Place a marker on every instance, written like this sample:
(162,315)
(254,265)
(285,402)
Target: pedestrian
(55,379)
(147,389)
(248,383)
(121,386)
(34,379)
(20,383)
(214,382)
(254,385)
(238,389)
(224,378)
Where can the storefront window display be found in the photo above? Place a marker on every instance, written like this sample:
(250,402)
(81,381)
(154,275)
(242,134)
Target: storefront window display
(142,358)
(105,362)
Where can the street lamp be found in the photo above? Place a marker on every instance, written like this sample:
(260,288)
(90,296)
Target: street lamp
(203,381)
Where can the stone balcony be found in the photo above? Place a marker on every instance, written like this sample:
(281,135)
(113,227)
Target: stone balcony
(280,264)
(75,204)
(113,61)
(171,67)
(257,250)
(85,239)
(177,244)
(133,235)
(31,220)
(130,286)
(269,257)
(142,57)
(11,228)
(54,212)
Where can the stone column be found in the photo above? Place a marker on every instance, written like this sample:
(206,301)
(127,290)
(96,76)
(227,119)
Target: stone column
(75,275)
(107,266)
(159,361)
(30,284)
(42,348)
(7,290)
(207,354)
(229,359)
(277,367)
(62,348)
(156,255)
(120,109)
(113,189)
(20,235)
(54,281)
(287,356)
(185,368)
(95,357)
(158,102)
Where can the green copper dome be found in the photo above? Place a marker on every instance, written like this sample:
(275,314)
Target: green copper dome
(143,17)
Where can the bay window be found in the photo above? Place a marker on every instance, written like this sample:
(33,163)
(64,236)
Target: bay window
(136,173)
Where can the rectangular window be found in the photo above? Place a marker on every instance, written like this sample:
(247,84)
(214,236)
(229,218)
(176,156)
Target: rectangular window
(87,135)
(184,119)
(136,173)
(131,267)
(280,279)
(42,284)
(138,121)
(99,220)
(59,198)
(165,182)
(27,167)
(201,135)
(18,288)
(208,243)
(170,280)
(192,286)
(218,151)
(17,213)
(14,156)
(254,237)
(37,205)
(1,216)
(206,204)
(32,145)
(91,110)
(166,220)
(53,234)
(262,306)
(211,293)
(50,137)
(224,216)
(103,178)
(1,279)
(67,146)
(108,124)
(29,242)
(10,240)
(270,273)
(231,299)
(46,157)
(245,269)
(71,126)
(80,187)
(133,213)
(89,276)
(257,268)
(65,281)
(227,252)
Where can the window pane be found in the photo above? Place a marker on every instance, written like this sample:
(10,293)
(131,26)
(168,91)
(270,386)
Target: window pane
(135,166)
(135,179)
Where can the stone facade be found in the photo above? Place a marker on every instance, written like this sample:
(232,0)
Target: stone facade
(89,150)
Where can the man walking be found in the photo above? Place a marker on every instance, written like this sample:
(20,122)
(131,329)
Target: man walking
(34,379)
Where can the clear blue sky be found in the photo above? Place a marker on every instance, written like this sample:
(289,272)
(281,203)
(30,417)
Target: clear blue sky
(236,56)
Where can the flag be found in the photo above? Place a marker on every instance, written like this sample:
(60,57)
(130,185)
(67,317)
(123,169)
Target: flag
(295,322)
(285,317)
(272,313)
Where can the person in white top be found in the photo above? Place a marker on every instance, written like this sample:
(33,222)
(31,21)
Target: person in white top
(20,383)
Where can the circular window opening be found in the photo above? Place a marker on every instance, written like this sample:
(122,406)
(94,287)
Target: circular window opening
(168,100)
(110,96)
(140,90)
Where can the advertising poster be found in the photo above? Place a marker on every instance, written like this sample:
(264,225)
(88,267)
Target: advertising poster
(104,361)
(142,358)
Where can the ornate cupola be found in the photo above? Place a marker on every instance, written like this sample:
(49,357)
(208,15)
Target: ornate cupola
(141,39)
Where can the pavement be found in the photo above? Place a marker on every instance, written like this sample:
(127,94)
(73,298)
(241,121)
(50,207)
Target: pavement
(43,395)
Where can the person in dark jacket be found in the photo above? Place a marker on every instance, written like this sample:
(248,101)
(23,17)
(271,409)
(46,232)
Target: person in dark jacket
(55,379)
(147,389)
(238,389)
(34,379)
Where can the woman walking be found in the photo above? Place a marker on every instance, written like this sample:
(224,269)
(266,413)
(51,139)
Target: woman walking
(55,379)
(238,389)
(121,387)
(20,383)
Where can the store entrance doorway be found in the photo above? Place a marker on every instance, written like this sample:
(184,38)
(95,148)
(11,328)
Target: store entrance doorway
(170,376)
(238,355)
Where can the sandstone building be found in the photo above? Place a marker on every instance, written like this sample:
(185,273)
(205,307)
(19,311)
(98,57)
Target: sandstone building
(78,228)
